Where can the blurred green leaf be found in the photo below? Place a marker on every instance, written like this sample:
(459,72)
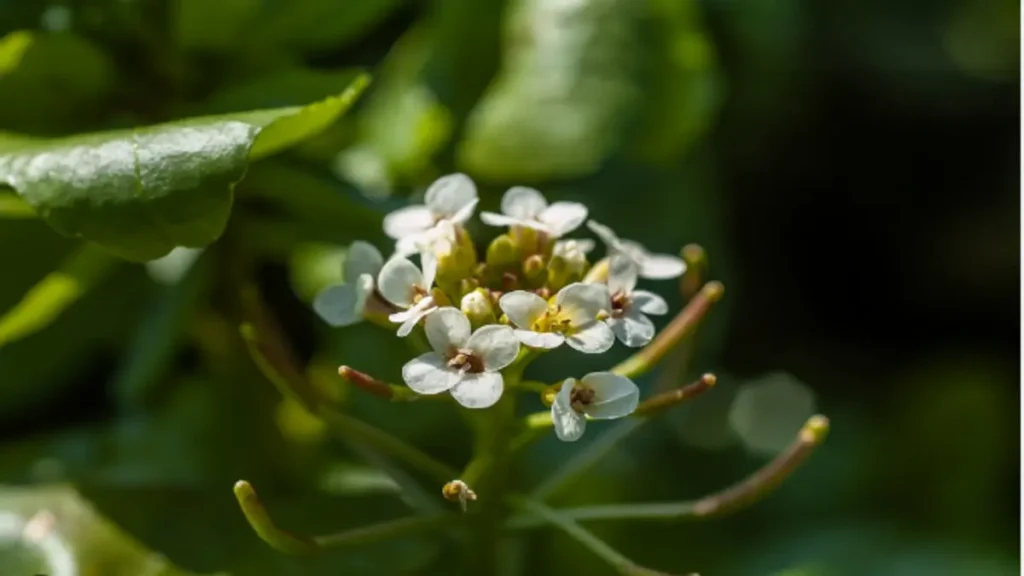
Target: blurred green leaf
(150,353)
(59,289)
(403,125)
(67,537)
(214,26)
(12,48)
(565,94)
(56,83)
(139,193)
(318,25)
(680,71)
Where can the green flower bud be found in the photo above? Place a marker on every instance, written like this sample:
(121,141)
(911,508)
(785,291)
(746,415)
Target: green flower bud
(503,254)
(533,270)
(478,307)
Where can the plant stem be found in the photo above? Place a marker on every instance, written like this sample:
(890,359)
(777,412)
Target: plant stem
(683,325)
(291,543)
(736,497)
(599,547)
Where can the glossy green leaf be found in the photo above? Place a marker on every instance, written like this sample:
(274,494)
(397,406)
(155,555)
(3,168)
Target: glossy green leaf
(58,290)
(139,193)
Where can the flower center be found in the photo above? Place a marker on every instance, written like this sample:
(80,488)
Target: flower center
(418,293)
(620,304)
(465,361)
(580,397)
(554,319)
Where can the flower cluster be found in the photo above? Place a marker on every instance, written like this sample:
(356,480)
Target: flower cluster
(534,290)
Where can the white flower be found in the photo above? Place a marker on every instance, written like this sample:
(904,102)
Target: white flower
(432,245)
(629,306)
(572,318)
(343,304)
(452,197)
(652,266)
(464,364)
(402,284)
(599,396)
(522,206)
(574,252)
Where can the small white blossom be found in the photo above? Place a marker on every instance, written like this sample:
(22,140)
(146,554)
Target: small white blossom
(452,197)
(401,283)
(467,365)
(599,396)
(572,318)
(343,304)
(629,306)
(574,252)
(651,266)
(522,206)
(432,245)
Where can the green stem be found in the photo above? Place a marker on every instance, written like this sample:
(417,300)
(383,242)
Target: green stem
(683,325)
(599,547)
(738,496)
(291,543)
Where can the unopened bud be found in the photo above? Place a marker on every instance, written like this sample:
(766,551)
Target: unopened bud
(458,491)
(570,252)
(477,306)
(533,270)
(440,297)
(458,261)
(502,254)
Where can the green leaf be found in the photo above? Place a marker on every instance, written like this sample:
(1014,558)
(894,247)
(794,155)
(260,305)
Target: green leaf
(139,193)
(319,25)
(58,290)
(12,47)
(213,26)
(564,96)
(52,83)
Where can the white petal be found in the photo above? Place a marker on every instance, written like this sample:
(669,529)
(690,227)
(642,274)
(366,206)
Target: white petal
(481,390)
(543,340)
(582,302)
(446,328)
(495,344)
(585,245)
(569,424)
(408,245)
(649,302)
(342,305)
(615,396)
(633,329)
(450,194)
(492,219)
(396,281)
(661,266)
(413,316)
(429,261)
(408,221)
(362,258)
(465,213)
(429,374)
(563,217)
(606,234)
(522,308)
(622,274)
(523,203)
(593,339)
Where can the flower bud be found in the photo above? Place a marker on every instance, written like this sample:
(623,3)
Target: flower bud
(575,259)
(477,306)
(503,254)
(533,270)
(456,259)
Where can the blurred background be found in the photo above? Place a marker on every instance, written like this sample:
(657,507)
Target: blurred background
(849,167)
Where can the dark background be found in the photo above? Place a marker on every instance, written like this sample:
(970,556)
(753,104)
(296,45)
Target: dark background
(850,168)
